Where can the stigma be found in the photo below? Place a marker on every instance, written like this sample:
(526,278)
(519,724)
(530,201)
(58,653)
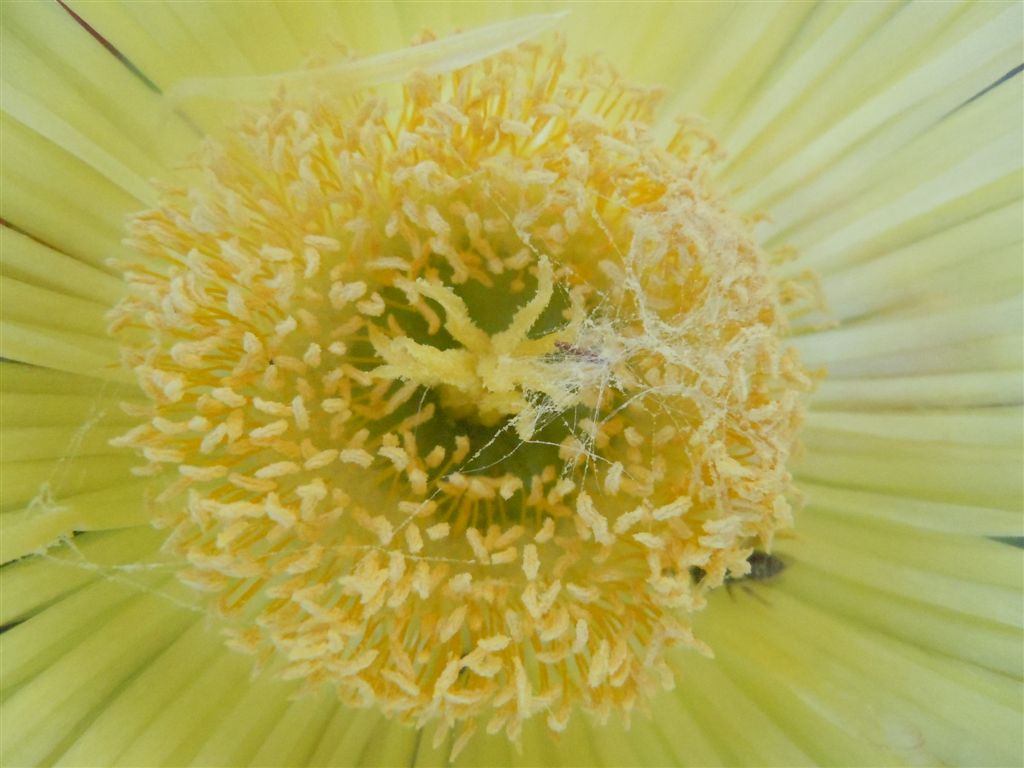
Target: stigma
(448,393)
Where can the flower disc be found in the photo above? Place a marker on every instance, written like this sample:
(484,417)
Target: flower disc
(452,392)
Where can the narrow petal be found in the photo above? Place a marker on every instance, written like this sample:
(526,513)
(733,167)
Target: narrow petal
(858,505)
(32,584)
(62,683)
(969,389)
(37,264)
(102,118)
(911,70)
(57,199)
(964,165)
(130,710)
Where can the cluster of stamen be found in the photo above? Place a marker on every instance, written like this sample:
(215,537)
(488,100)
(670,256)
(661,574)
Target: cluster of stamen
(450,396)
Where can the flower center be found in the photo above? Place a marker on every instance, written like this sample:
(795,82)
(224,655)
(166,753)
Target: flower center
(490,377)
(451,394)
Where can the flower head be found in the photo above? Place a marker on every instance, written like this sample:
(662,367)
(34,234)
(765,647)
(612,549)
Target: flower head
(451,394)
(456,379)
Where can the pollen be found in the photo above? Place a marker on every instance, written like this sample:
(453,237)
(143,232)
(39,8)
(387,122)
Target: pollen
(451,385)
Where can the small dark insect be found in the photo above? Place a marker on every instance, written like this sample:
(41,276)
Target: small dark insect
(579,352)
(763,567)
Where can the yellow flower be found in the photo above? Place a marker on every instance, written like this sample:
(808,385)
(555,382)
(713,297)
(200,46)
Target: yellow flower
(448,384)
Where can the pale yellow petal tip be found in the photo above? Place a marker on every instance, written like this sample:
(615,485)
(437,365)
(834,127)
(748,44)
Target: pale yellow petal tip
(433,57)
